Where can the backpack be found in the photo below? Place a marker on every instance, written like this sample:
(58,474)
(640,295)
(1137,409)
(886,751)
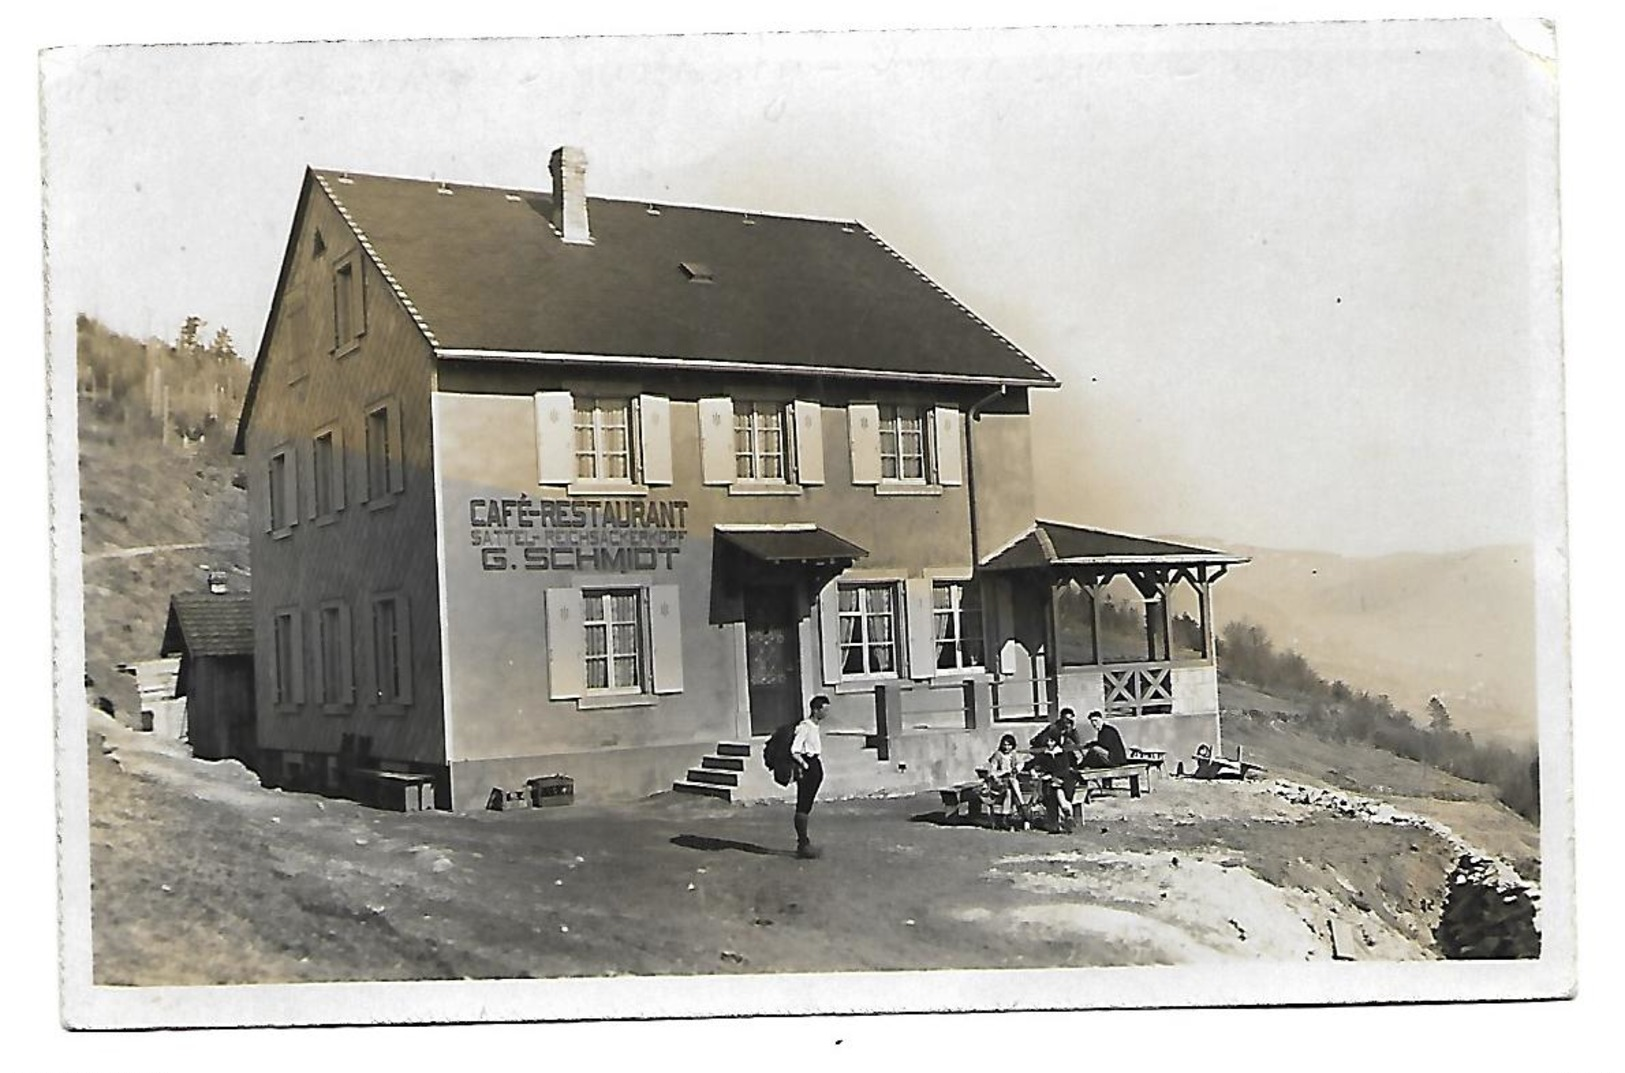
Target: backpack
(776,754)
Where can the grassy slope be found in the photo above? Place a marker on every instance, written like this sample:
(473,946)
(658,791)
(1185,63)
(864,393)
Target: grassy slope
(137,491)
(1261,726)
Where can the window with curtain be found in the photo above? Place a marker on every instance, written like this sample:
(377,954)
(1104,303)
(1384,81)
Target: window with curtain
(868,624)
(759,441)
(603,429)
(956,622)
(902,444)
(615,645)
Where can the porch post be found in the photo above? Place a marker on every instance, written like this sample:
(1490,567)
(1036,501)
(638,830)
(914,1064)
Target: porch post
(888,717)
(1204,595)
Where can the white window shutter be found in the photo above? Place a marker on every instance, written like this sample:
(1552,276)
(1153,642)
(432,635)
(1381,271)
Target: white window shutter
(397,455)
(318,659)
(863,428)
(307,464)
(566,644)
(666,636)
(555,437)
(336,478)
(346,656)
(290,485)
(296,640)
(922,644)
(267,476)
(654,438)
(829,632)
(403,648)
(809,426)
(717,462)
(947,422)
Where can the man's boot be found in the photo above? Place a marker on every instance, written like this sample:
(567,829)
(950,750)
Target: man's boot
(804,846)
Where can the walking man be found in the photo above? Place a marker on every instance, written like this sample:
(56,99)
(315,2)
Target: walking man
(806,749)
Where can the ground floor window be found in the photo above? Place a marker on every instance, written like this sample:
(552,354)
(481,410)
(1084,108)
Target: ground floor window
(287,659)
(391,651)
(956,623)
(868,629)
(615,640)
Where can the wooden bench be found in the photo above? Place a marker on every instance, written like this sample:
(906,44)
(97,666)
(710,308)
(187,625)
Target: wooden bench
(969,795)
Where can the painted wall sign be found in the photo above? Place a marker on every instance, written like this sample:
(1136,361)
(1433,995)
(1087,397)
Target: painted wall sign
(607,535)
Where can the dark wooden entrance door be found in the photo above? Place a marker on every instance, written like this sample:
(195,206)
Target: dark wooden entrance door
(772,656)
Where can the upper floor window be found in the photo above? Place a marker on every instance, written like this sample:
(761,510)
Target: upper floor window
(349,304)
(585,441)
(906,449)
(956,625)
(759,441)
(868,629)
(603,436)
(386,470)
(902,444)
(282,492)
(761,447)
(327,473)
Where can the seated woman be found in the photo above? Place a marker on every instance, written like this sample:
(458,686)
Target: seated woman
(1004,786)
(1056,749)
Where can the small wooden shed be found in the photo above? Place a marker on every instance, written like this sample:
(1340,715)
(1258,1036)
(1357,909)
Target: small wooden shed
(213,634)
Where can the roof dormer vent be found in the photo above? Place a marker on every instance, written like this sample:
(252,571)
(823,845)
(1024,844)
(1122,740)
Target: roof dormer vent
(697,272)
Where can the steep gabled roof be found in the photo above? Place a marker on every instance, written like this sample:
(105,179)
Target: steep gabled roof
(209,624)
(488,276)
(1063,544)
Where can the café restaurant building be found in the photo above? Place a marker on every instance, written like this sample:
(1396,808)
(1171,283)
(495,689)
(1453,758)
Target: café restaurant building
(543,483)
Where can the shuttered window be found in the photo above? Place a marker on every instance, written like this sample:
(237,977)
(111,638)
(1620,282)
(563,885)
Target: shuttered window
(614,641)
(902,444)
(603,439)
(288,660)
(386,469)
(759,452)
(391,651)
(282,491)
(613,624)
(867,624)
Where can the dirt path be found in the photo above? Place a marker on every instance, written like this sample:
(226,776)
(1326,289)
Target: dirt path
(151,549)
(202,876)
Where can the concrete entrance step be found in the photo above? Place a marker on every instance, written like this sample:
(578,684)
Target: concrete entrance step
(704,789)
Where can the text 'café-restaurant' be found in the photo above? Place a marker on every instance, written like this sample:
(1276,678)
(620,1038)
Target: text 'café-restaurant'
(544,483)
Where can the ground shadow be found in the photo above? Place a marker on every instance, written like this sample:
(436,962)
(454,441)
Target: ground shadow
(713,844)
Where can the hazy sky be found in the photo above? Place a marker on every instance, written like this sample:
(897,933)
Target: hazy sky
(1299,281)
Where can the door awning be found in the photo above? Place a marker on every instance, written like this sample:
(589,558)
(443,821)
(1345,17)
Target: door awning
(791,544)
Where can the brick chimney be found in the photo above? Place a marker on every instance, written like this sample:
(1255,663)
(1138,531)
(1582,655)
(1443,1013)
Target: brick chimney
(569,168)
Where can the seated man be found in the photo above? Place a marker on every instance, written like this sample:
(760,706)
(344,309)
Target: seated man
(1107,749)
(1055,752)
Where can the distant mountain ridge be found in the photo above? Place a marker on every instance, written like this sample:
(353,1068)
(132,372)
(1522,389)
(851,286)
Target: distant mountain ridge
(1458,625)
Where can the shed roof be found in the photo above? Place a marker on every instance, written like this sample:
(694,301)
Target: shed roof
(209,624)
(489,278)
(1062,544)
